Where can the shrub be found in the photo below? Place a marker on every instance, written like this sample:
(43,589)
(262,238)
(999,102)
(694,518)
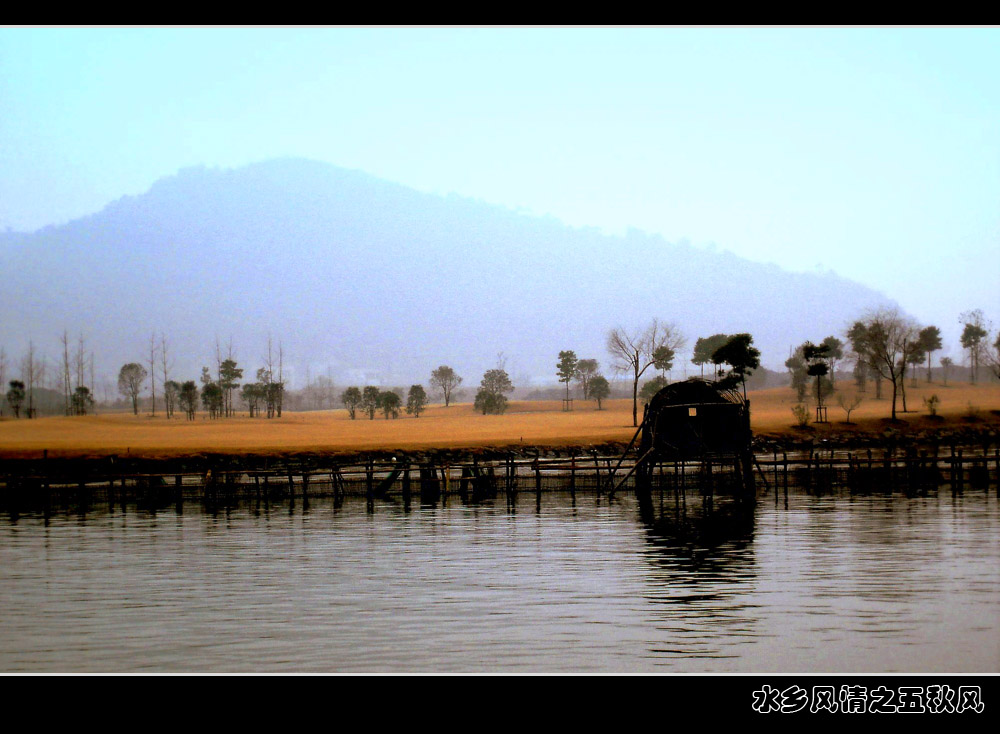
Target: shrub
(801,413)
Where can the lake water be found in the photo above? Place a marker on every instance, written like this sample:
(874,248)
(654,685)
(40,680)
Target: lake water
(827,584)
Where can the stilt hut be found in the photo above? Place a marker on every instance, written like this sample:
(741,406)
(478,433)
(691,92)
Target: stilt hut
(694,420)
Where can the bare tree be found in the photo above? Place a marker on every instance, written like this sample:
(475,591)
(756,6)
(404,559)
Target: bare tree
(80,362)
(632,352)
(281,377)
(885,341)
(266,377)
(66,384)
(152,372)
(169,394)
(849,403)
(93,383)
(274,389)
(33,373)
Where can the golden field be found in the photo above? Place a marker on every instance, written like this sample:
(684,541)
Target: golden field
(541,423)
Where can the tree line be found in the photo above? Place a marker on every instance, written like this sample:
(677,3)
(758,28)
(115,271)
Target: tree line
(883,345)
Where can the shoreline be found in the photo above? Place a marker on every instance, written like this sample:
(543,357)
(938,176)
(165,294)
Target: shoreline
(969,415)
(883,435)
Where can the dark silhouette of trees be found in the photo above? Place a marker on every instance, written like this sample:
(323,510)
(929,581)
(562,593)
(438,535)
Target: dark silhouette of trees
(972,338)
(82,401)
(491,398)
(189,398)
(599,389)
(275,388)
(858,336)
(351,398)
(741,356)
(912,355)
(388,403)
(15,397)
(651,387)
(212,398)
(253,394)
(66,380)
(211,394)
(370,401)
(930,342)
(817,360)
(171,391)
(268,391)
(632,352)
(567,370)
(834,353)
(152,373)
(915,356)
(130,379)
(229,375)
(446,381)
(416,400)
(663,360)
(705,347)
(586,370)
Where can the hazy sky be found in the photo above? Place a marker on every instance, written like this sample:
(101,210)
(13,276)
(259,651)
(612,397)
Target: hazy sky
(872,152)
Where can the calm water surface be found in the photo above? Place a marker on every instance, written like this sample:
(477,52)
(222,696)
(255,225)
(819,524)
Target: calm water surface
(828,584)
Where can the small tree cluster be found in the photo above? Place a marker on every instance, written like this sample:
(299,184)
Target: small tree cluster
(585,372)
(742,357)
(81,402)
(885,339)
(705,347)
(491,398)
(188,398)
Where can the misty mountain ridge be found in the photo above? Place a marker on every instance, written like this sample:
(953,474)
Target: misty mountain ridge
(369,280)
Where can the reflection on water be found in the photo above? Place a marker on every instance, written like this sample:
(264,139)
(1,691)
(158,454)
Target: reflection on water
(830,583)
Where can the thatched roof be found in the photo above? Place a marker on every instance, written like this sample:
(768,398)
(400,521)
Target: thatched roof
(694,391)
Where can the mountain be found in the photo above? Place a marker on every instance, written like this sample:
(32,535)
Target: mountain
(372,280)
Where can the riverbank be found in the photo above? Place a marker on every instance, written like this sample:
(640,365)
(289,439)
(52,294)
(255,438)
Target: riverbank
(967,414)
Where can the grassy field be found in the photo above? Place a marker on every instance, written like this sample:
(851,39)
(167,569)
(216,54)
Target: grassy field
(525,423)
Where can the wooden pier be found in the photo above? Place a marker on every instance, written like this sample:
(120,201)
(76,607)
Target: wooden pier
(46,482)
